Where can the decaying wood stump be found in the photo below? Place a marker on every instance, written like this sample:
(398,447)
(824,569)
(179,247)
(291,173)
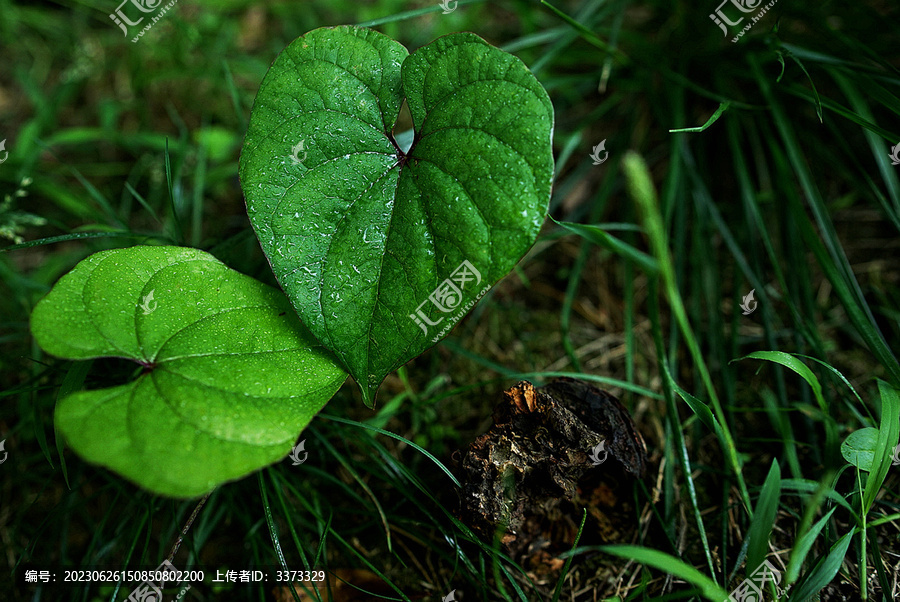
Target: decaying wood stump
(552,452)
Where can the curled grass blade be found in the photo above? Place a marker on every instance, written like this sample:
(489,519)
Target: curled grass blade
(724,106)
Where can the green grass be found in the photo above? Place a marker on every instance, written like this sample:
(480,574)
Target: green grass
(775,178)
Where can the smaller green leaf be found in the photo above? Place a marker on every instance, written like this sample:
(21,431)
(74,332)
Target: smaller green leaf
(859,448)
(824,570)
(698,407)
(764,518)
(803,546)
(230,376)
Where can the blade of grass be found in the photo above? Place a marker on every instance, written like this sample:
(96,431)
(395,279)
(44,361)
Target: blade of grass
(411,14)
(72,382)
(824,570)
(353,473)
(781,422)
(835,264)
(143,202)
(789,361)
(679,448)
(275,476)
(808,487)
(179,232)
(802,546)
(709,589)
(424,452)
(724,106)
(876,143)
(565,570)
(199,186)
(586,34)
(642,192)
(597,236)
(354,552)
(888,435)
(273,530)
(81,236)
(763,520)
(235,96)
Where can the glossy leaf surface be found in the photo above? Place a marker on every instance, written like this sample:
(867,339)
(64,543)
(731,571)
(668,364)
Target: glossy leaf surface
(228,375)
(381,252)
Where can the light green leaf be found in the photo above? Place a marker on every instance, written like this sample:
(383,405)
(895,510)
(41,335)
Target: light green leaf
(230,375)
(859,448)
(381,252)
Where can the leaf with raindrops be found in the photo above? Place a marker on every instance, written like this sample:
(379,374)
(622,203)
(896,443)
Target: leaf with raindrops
(228,374)
(381,247)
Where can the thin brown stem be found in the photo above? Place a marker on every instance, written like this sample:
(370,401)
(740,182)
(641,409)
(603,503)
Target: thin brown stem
(187,526)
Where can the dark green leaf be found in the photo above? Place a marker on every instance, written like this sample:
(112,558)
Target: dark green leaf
(381,252)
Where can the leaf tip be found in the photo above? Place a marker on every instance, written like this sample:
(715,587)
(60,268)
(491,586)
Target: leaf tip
(369,390)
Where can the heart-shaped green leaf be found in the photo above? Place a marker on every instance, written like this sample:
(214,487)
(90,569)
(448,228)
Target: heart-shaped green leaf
(230,375)
(381,252)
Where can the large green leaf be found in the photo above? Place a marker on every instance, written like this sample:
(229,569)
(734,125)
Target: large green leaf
(230,376)
(382,251)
